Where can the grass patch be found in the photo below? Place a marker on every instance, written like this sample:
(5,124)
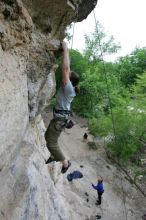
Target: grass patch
(92,145)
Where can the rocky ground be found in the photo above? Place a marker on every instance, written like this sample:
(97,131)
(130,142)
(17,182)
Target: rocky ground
(121,200)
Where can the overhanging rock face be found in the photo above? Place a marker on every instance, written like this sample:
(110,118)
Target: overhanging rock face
(54,16)
(30,32)
(50,17)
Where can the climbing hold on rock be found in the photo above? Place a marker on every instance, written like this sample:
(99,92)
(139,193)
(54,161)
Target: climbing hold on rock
(6,13)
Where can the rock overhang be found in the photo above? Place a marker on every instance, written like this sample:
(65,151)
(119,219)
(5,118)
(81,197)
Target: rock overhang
(54,16)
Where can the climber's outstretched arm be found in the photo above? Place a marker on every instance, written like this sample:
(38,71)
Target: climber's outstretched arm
(65,64)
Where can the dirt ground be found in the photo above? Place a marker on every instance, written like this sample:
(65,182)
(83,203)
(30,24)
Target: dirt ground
(121,200)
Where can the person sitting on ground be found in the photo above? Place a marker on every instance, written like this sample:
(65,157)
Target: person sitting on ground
(100,189)
(62,112)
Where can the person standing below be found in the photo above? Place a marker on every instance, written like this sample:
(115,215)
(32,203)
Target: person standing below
(100,189)
(61,111)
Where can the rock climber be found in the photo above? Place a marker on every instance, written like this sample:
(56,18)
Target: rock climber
(61,112)
(100,189)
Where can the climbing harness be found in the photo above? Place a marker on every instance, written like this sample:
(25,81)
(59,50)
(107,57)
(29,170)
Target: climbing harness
(58,111)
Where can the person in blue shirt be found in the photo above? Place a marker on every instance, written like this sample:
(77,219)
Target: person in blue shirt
(100,189)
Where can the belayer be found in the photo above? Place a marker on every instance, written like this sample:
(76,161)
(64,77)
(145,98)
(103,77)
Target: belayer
(61,112)
(100,189)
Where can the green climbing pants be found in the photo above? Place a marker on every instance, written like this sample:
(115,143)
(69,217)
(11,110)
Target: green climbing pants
(52,134)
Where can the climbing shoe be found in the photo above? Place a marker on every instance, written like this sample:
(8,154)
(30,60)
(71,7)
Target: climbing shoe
(64,169)
(97,203)
(51,159)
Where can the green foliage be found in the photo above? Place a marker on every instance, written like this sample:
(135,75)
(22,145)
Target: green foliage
(130,66)
(124,130)
(100,126)
(112,94)
(92,145)
(53,102)
(95,88)
(140,87)
(78,63)
(98,42)
(125,143)
(90,95)
(139,94)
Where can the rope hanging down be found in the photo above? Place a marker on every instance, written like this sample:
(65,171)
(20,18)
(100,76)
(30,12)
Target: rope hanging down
(106,79)
(109,98)
(73,35)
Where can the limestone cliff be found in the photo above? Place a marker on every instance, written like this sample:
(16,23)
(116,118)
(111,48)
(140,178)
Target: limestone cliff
(30,33)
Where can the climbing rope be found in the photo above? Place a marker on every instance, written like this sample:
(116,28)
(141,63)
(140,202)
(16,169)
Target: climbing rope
(108,94)
(111,111)
(73,35)
(105,74)
(113,123)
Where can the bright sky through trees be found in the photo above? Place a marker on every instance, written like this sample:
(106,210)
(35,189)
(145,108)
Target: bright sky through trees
(124,19)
